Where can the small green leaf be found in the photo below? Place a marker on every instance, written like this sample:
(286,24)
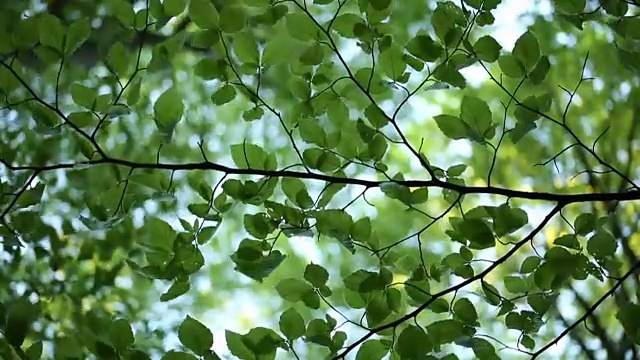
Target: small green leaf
(203,14)
(413,343)
(478,233)
(251,156)
(602,245)
(83,95)
(177,289)
(300,27)
(292,289)
(174,7)
(492,294)
(312,55)
(120,334)
(52,32)
(224,94)
(195,336)
(292,324)
(233,18)
(372,350)
(456,170)
(238,346)
(178,355)
(376,116)
(511,66)
(569,241)
(527,50)
(476,114)
(570,6)
(168,110)
(465,311)
(585,223)
(425,48)
(487,49)
(530,264)
(515,284)
(396,191)
(77,34)
(540,71)
(445,331)
(483,349)
(246,48)
(316,275)
(345,23)
(452,126)
(311,131)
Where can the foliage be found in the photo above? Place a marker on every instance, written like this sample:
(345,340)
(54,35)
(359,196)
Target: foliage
(196,179)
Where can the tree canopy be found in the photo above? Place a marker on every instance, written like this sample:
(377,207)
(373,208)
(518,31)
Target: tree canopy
(319,179)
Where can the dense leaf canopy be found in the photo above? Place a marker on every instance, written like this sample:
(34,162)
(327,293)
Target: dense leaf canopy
(320,179)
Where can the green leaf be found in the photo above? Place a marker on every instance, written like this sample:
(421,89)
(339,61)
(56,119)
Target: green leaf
(476,114)
(372,350)
(246,48)
(52,32)
(376,116)
(456,170)
(530,264)
(203,14)
(465,311)
(478,233)
(195,336)
(515,284)
(602,245)
(345,23)
(34,352)
(178,355)
(449,73)
(232,19)
(292,289)
(237,346)
(361,230)
(413,343)
(316,275)
(168,110)
(251,156)
(527,50)
(511,66)
(487,49)
(569,241)
(174,7)
(292,324)
(312,55)
(445,331)
(585,223)
(300,27)
(452,126)
(120,334)
(491,293)
(425,48)
(77,33)
(397,191)
(311,132)
(483,349)
(254,264)
(177,289)
(392,63)
(83,95)
(225,94)
(570,6)
(540,71)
